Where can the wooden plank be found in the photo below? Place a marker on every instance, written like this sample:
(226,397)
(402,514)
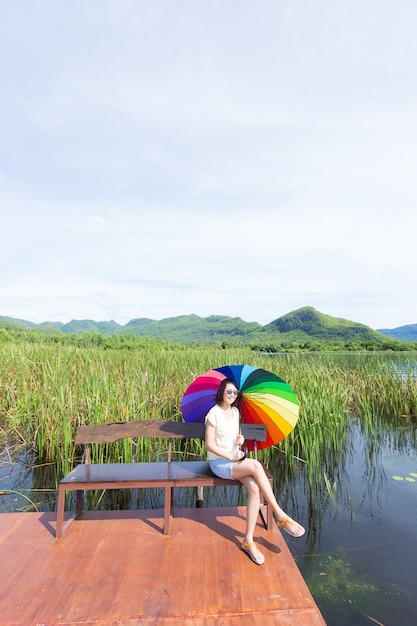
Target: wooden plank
(116,567)
(109,433)
(128,475)
(140,475)
(254,431)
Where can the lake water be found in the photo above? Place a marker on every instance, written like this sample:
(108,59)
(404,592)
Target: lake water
(358,555)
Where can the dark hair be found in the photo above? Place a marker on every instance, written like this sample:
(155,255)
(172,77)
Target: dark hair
(222,387)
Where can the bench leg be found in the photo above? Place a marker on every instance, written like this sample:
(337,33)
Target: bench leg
(270,518)
(167,509)
(60,526)
(79,503)
(266,514)
(200,497)
(60,512)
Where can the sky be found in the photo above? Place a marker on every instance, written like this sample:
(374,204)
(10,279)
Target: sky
(224,157)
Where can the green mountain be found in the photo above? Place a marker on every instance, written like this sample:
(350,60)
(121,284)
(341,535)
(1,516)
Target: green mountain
(303,329)
(314,324)
(78,327)
(309,329)
(403,333)
(190,328)
(11,323)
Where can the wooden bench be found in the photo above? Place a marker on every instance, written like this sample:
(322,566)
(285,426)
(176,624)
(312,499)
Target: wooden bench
(163,474)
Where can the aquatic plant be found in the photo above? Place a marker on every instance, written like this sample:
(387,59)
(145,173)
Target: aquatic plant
(339,582)
(48,390)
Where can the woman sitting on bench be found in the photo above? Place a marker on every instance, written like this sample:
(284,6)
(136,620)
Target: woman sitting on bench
(227,460)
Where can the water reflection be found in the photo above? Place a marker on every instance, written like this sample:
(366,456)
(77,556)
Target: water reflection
(404,363)
(26,486)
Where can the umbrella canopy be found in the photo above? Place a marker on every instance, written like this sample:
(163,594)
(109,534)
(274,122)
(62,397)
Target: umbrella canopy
(265,399)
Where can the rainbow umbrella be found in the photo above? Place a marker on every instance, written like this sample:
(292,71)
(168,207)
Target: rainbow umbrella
(265,399)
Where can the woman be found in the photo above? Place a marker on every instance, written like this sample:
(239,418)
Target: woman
(223,441)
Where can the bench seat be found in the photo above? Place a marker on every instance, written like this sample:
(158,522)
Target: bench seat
(131,475)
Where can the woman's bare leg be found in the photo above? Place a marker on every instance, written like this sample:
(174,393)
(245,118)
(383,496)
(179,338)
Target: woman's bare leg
(252,506)
(252,512)
(252,468)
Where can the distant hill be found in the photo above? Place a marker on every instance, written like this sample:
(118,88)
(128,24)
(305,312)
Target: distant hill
(78,327)
(193,328)
(321,326)
(402,333)
(11,323)
(305,329)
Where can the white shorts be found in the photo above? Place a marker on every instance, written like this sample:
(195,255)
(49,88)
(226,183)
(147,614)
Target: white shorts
(222,468)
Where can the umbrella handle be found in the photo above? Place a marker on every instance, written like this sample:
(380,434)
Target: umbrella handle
(245,454)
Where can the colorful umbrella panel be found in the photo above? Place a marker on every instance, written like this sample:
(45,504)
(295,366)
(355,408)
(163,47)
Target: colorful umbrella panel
(265,399)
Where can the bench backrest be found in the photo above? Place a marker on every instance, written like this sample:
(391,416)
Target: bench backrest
(161,429)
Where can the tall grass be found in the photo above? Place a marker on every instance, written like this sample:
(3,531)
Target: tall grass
(47,391)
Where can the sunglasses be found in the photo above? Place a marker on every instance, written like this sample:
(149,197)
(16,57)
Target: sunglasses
(230,392)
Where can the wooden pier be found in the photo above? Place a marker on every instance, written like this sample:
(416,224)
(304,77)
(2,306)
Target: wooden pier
(117,567)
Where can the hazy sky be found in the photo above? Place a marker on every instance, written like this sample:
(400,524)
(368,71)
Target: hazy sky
(228,157)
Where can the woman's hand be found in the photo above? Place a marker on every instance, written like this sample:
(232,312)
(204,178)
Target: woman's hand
(239,440)
(239,455)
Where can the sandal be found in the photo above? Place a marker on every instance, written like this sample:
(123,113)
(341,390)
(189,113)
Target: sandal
(261,558)
(288,520)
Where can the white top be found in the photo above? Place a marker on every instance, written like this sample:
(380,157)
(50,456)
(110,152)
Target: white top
(226,430)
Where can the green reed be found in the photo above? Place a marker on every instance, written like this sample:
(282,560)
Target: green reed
(48,390)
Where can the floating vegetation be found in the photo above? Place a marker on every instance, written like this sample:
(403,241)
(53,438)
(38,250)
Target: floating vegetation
(410,479)
(339,581)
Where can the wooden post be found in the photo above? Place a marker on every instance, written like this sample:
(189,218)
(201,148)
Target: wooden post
(200,497)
